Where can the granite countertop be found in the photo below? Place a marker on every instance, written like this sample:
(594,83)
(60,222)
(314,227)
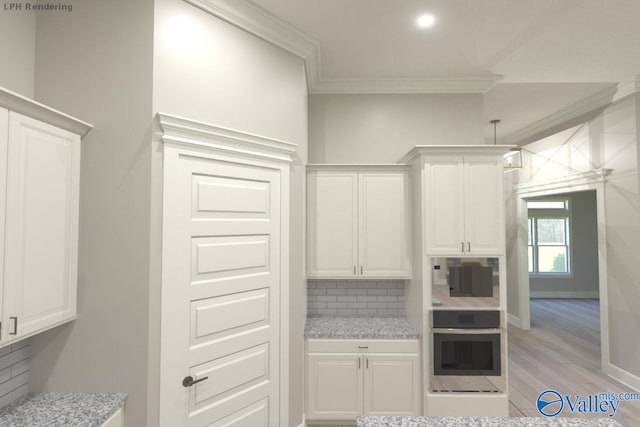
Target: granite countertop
(62,409)
(360,328)
(484,422)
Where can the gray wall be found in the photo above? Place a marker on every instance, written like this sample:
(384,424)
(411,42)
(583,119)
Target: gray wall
(216,73)
(382,128)
(17,49)
(96,63)
(583,282)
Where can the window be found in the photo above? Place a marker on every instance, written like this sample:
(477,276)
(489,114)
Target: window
(548,237)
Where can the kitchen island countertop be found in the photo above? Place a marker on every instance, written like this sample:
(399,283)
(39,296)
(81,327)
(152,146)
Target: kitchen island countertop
(389,421)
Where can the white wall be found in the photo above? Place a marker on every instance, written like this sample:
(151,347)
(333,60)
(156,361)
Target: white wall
(96,63)
(382,128)
(583,280)
(17,49)
(208,70)
(611,141)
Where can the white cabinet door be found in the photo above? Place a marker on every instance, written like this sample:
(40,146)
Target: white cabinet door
(444,205)
(41,227)
(334,386)
(332,221)
(383,224)
(484,212)
(392,384)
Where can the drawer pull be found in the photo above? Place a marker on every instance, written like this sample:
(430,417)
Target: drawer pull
(363,347)
(15,325)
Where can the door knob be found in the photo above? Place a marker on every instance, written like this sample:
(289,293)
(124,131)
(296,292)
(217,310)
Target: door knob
(189,381)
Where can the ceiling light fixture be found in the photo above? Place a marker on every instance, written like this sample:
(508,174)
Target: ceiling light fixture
(512,159)
(425,21)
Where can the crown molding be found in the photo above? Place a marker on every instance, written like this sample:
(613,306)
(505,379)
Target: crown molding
(580,108)
(594,176)
(190,133)
(482,149)
(21,104)
(479,84)
(263,24)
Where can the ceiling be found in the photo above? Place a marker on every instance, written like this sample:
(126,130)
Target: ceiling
(544,56)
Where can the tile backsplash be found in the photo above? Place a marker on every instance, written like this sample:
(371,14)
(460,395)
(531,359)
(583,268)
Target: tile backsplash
(355,297)
(14,372)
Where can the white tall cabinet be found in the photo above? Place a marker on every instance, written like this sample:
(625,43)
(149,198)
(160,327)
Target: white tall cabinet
(358,223)
(39,202)
(458,212)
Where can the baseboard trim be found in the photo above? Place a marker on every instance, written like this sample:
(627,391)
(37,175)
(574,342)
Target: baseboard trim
(566,294)
(514,320)
(625,377)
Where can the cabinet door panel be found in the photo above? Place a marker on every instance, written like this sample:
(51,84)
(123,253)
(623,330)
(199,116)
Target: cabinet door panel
(332,223)
(484,210)
(383,224)
(392,385)
(334,386)
(42,220)
(444,204)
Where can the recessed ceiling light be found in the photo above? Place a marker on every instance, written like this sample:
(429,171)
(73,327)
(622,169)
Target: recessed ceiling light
(425,21)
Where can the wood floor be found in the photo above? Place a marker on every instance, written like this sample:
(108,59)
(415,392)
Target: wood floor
(561,352)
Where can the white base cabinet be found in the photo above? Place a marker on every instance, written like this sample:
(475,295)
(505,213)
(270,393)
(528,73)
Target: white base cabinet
(39,203)
(349,378)
(358,221)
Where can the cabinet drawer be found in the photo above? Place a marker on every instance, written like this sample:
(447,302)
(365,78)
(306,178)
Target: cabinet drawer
(362,346)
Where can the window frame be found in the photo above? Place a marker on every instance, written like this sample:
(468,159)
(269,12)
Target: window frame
(533,215)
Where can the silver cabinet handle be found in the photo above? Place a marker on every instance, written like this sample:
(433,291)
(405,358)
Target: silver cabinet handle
(15,326)
(354,270)
(361,269)
(469,246)
(367,363)
(189,381)
(461,246)
(362,347)
(359,363)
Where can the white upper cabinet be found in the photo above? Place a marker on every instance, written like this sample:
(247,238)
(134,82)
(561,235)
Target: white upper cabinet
(39,203)
(464,206)
(358,222)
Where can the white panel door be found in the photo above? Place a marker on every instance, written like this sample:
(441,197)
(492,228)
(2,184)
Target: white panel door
(221,292)
(41,227)
(334,386)
(484,206)
(332,221)
(444,205)
(384,249)
(392,384)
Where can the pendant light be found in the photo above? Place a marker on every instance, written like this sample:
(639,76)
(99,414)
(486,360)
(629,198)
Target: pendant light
(512,159)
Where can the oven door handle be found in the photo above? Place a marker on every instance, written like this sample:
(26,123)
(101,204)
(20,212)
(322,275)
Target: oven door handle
(467,331)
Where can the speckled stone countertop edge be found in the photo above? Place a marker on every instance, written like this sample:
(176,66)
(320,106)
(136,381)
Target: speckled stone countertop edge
(62,409)
(406,421)
(327,327)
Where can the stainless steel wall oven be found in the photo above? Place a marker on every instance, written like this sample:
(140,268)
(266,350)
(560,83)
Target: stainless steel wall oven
(467,351)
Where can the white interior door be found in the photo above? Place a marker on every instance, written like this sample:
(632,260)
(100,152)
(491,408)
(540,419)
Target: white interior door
(40,275)
(221,292)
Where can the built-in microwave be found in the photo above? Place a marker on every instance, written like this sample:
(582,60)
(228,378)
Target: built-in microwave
(465,282)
